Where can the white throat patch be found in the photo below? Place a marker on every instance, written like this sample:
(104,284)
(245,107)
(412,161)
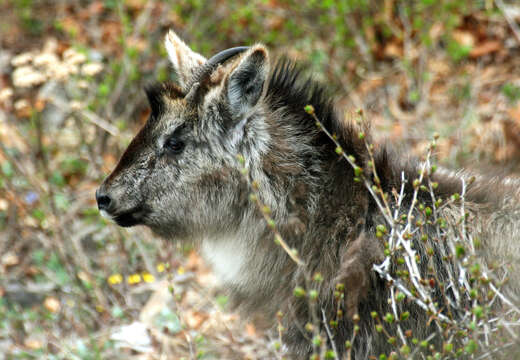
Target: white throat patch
(227,256)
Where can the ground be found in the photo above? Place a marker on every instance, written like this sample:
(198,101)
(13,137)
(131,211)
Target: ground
(73,285)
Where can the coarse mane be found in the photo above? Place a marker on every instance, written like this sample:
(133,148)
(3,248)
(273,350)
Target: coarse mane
(290,89)
(289,86)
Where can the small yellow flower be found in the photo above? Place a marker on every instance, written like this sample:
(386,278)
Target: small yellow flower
(160,267)
(181,270)
(134,279)
(115,279)
(147,277)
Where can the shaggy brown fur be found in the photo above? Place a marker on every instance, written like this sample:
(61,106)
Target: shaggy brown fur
(180,177)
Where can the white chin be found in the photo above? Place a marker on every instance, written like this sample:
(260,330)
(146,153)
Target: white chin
(105,214)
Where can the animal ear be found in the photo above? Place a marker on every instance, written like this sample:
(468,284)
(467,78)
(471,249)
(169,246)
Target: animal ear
(246,82)
(185,61)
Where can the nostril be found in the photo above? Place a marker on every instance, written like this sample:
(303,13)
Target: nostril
(103,201)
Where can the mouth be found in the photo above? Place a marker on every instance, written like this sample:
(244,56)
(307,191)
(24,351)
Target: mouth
(126,218)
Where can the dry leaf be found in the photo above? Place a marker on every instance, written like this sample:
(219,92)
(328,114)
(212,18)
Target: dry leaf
(109,161)
(30,221)
(274,22)
(4,205)
(195,319)
(485,48)
(393,50)
(33,344)
(251,330)
(32,270)
(194,261)
(436,31)
(5,94)
(134,336)
(83,276)
(137,43)
(10,258)
(23,108)
(96,8)
(52,304)
(512,128)
(464,38)
(515,113)
(135,4)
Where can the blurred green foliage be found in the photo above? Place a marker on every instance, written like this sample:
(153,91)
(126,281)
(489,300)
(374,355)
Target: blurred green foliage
(512,92)
(337,39)
(336,22)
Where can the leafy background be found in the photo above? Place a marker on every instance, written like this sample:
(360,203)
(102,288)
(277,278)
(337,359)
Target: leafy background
(73,286)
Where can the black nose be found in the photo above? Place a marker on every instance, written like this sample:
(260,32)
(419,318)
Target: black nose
(103,200)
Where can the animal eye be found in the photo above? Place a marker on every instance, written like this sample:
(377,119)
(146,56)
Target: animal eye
(174,145)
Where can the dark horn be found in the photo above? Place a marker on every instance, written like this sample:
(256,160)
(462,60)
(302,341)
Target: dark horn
(210,65)
(225,55)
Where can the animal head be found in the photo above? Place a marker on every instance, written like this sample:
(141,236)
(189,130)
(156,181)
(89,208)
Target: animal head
(179,175)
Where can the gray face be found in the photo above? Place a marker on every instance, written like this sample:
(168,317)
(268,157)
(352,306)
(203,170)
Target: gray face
(179,175)
(172,177)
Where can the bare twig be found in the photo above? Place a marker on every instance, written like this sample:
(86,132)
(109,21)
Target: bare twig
(512,24)
(329,334)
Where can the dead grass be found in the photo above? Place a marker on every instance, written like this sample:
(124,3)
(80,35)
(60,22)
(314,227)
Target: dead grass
(70,282)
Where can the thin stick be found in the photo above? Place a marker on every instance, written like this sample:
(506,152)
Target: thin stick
(512,24)
(329,334)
